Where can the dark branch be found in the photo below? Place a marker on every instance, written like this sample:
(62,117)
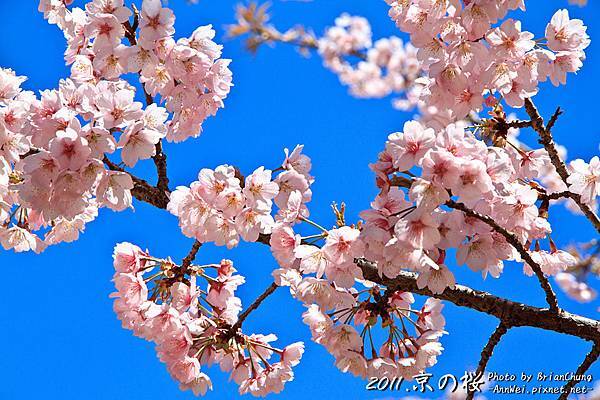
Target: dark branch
(514,241)
(585,365)
(269,291)
(142,190)
(187,261)
(512,313)
(546,139)
(487,352)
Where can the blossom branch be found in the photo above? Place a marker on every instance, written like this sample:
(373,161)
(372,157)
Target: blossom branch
(546,139)
(159,158)
(585,365)
(513,240)
(488,350)
(253,20)
(513,314)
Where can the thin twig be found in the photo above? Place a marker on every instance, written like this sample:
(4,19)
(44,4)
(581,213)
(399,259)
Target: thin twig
(546,139)
(487,352)
(585,365)
(269,291)
(513,240)
(187,261)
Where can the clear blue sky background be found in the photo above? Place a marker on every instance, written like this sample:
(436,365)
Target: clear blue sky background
(60,337)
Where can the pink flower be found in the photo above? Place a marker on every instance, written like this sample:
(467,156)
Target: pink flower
(162,321)
(565,34)
(114,190)
(551,263)
(138,143)
(437,280)
(118,108)
(563,63)
(430,316)
(131,288)
(408,148)
(69,149)
(292,354)
(259,190)
(441,167)
(343,245)
(184,296)
(20,240)
(297,161)
(199,386)
(156,22)
(106,29)
(230,202)
(585,179)
(290,181)
(213,183)
(473,181)
(480,255)
(509,41)
(294,210)
(222,231)
(312,259)
(114,7)
(283,243)
(342,338)
(185,370)
(343,274)
(419,230)
(251,223)
(174,347)
(353,362)
(128,258)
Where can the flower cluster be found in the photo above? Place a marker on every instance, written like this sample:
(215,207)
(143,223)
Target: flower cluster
(500,182)
(221,206)
(384,67)
(53,149)
(467,56)
(323,279)
(192,327)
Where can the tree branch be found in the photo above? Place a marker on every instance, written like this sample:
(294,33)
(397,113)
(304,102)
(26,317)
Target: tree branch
(142,190)
(513,314)
(546,139)
(513,240)
(487,352)
(585,365)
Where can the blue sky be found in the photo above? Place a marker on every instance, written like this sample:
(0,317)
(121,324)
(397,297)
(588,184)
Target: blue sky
(60,337)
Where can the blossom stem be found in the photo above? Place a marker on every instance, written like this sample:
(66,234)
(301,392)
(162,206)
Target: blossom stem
(546,139)
(317,236)
(314,224)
